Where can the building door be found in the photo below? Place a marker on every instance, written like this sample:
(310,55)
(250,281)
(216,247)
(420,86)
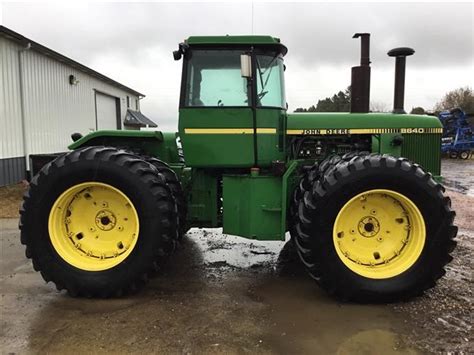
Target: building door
(107,111)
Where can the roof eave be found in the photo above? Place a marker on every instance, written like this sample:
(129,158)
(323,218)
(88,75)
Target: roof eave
(8,33)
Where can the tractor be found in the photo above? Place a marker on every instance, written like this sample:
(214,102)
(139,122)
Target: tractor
(358,193)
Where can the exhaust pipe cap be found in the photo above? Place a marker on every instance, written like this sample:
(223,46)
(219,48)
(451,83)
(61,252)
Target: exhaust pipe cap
(401,52)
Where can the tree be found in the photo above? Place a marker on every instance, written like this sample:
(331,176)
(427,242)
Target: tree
(418,111)
(462,98)
(340,102)
(378,106)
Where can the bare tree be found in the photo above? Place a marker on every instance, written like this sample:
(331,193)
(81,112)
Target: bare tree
(462,98)
(418,110)
(378,106)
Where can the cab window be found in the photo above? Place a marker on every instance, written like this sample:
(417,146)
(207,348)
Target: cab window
(270,84)
(214,79)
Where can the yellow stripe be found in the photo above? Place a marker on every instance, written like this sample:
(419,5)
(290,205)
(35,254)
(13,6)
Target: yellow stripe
(339,131)
(266,130)
(229,130)
(315,131)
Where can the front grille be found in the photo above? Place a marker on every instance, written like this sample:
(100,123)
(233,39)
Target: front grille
(424,149)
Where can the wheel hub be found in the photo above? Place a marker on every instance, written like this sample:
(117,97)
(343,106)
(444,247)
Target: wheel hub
(105,220)
(93,226)
(368,226)
(379,233)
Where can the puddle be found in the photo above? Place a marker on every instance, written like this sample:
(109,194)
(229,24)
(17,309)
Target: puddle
(218,249)
(458,175)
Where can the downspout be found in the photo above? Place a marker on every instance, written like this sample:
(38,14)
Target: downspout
(26,148)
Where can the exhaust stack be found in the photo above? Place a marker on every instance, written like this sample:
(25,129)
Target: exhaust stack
(360,79)
(400,55)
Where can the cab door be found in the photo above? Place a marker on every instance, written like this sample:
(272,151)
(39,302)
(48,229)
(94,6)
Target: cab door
(215,116)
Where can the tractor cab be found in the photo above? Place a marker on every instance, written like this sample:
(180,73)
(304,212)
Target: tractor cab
(232,105)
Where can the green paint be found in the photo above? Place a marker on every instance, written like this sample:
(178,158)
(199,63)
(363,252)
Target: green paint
(424,149)
(216,150)
(109,133)
(326,120)
(153,143)
(383,144)
(231,150)
(252,206)
(286,193)
(202,199)
(233,40)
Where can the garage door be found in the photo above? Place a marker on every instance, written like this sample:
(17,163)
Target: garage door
(106,109)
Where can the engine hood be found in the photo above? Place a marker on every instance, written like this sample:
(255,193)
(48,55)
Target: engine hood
(357,123)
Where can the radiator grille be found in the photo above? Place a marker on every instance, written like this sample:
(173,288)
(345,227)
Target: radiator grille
(424,149)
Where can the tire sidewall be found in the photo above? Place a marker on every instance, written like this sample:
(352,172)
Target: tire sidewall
(107,172)
(405,182)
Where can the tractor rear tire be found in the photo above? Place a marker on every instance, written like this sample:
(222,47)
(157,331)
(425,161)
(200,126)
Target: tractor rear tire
(177,189)
(375,228)
(98,221)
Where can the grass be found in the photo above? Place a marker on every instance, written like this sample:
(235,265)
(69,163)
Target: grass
(10,200)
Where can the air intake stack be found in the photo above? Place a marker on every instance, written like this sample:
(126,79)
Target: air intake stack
(400,55)
(360,80)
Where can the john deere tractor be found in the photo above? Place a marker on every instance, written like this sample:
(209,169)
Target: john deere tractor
(359,192)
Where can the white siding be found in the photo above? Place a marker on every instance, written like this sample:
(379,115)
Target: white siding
(11,140)
(53,108)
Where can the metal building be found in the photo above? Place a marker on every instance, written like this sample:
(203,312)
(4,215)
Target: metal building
(45,97)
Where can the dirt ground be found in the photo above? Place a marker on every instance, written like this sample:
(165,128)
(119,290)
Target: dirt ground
(224,294)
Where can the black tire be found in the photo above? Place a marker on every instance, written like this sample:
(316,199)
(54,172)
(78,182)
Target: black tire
(465,154)
(310,176)
(177,190)
(139,181)
(453,155)
(337,185)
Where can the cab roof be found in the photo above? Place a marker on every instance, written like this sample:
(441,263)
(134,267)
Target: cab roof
(244,40)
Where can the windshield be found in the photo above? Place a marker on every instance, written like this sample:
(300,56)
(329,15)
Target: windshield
(270,81)
(214,79)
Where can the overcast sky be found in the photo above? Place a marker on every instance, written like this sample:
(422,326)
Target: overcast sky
(132,43)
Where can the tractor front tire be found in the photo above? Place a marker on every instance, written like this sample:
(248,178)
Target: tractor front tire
(98,221)
(375,228)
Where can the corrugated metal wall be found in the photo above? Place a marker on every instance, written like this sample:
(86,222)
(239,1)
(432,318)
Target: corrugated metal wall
(12,170)
(11,140)
(53,108)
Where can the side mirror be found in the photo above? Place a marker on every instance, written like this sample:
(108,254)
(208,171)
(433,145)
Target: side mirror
(246,65)
(177,55)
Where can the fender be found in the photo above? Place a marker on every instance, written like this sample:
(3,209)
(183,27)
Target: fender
(162,145)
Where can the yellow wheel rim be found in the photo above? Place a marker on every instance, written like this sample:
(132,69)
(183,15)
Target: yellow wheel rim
(93,226)
(379,234)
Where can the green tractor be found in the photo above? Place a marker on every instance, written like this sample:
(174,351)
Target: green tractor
(358,192)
